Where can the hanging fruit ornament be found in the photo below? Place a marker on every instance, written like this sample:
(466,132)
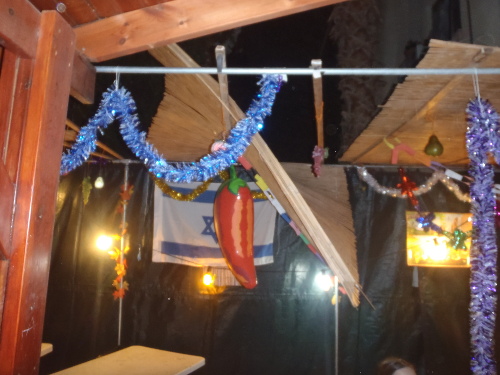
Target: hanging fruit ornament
(433,147)
(86,189)
(234,226)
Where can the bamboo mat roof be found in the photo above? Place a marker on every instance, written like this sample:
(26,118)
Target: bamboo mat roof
(190,118)
(425,105)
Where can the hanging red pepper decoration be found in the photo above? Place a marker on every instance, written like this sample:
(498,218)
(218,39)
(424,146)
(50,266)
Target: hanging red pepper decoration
(234,226)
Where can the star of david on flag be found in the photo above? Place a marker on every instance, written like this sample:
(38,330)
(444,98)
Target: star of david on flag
(184,232)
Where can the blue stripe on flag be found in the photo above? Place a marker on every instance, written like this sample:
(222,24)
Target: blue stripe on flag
(179,249)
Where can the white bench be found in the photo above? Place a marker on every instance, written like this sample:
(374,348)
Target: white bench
(138,360)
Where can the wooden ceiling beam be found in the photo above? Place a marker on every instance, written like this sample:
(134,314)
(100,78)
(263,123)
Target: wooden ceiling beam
(178,20)
(19,25)
(83,80)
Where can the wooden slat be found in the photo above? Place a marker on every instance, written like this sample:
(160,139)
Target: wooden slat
(328,199)
(176,21)
(318,103)
(14,106)
(83,80)
(99,144)
(24,308)
(280,183)
(7,209)
(19,21)
(14,91)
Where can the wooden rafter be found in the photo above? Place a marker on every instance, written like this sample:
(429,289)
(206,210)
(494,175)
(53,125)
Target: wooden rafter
(176,21)
(70,124)
(19,20)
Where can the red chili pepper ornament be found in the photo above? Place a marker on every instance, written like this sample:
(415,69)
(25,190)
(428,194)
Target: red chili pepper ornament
(234,226)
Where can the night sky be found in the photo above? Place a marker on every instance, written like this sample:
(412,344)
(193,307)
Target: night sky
(291,41)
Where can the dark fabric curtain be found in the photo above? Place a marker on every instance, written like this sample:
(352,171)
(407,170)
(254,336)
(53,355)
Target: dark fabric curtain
(283,326)
(426,324)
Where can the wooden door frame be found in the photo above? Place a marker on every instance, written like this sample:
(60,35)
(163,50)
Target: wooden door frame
(43,66)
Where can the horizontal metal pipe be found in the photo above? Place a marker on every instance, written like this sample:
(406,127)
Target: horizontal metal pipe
(298,71)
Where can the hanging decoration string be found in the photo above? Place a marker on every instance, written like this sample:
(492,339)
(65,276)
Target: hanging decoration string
(482,137)
(437,176)
(117,103)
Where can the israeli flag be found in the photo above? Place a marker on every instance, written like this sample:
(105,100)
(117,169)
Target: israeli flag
(184,231)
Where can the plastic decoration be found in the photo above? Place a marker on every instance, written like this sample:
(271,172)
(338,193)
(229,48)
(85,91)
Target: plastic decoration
(319,154)
(434,146)
(234,226)
(427,223)
(407,187)
(425,220)
(482,138)
(86,189)
(117,103)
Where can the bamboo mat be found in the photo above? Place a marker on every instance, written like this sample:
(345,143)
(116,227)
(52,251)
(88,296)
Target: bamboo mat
(425,105)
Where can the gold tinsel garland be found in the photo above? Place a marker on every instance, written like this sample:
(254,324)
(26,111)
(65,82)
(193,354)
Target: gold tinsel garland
(163,186)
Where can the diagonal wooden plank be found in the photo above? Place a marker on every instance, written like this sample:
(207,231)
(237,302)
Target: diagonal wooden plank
(176,21)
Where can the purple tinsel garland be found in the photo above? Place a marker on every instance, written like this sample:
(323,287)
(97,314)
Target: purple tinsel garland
(117,103)
(482,138)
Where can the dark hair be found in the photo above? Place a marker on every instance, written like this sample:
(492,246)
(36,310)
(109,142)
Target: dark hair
(390,365)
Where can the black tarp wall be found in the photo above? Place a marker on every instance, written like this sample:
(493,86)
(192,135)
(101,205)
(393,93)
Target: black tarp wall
(285,325)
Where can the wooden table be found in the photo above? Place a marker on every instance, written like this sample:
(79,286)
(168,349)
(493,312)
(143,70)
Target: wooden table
(46,349)
(138,360)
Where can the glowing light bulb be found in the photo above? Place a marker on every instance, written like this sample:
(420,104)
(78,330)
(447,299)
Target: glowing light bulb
(324,281)
(208,279)
(99,182)
(104,242)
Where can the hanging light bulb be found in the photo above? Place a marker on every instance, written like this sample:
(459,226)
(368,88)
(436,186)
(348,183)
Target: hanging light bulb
(208,279)
(433,147)
(99,182)
(324,281)
(104,242)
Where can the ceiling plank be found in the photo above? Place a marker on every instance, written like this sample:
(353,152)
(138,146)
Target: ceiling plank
(19,23)
(176,21)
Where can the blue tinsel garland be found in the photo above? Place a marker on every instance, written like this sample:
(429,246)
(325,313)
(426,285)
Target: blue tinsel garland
(117,103)
(483,138)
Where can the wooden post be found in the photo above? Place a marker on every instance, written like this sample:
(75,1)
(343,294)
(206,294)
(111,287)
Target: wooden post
(42,129)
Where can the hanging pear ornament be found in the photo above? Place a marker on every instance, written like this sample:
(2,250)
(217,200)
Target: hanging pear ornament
(234,226)
(433,147)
